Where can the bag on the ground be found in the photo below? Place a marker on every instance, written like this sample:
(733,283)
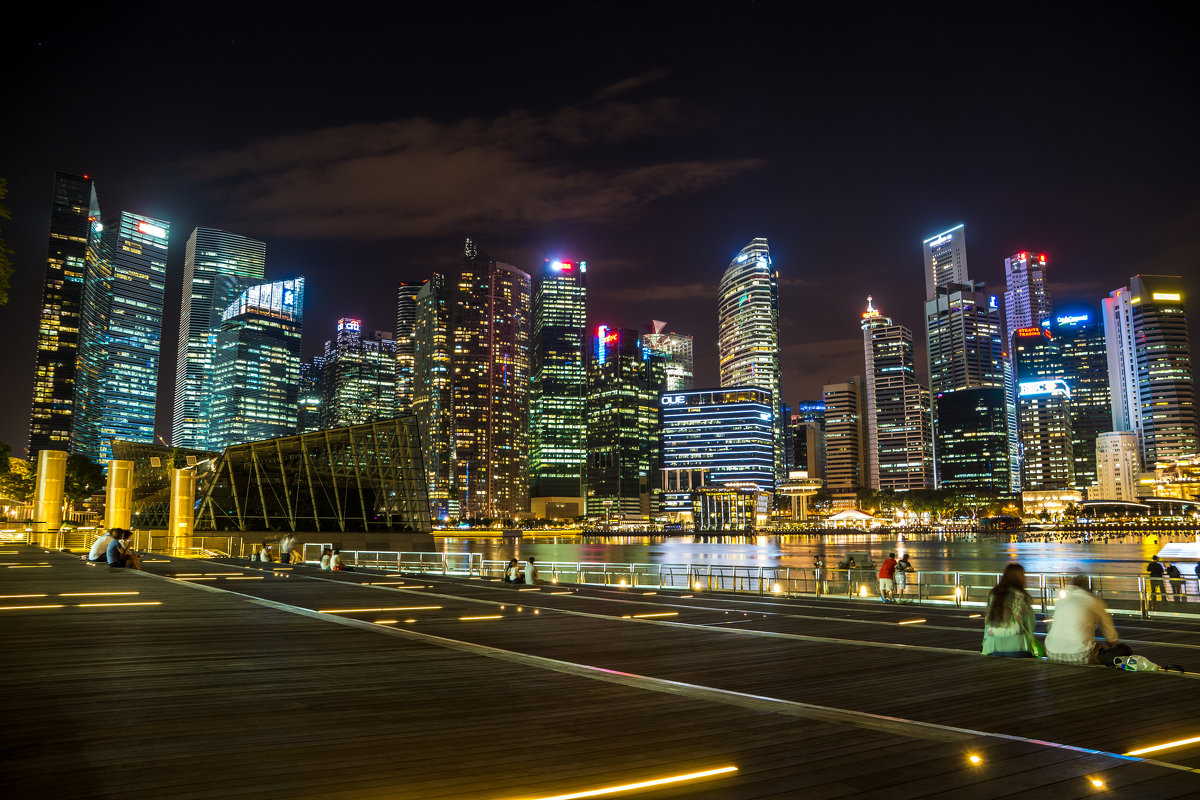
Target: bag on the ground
(1139,664)
(1118,651)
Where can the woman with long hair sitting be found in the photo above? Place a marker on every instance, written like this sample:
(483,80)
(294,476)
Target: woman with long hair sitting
(1009,622)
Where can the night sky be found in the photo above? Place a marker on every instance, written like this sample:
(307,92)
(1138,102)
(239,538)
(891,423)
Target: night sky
(652,140)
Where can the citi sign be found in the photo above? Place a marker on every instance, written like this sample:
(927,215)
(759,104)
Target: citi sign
(673,400)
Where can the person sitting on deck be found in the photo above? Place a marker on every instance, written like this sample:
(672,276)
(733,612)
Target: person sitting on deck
(335,562)
(99,552)
(326,559)
(531,572)
(512,573)
(120,551)
(1072,636)
(1009,622)
(264,553)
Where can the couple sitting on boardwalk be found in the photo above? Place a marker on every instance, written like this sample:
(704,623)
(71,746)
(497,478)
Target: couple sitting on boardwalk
(1009,622)
(115,548)
(515,572)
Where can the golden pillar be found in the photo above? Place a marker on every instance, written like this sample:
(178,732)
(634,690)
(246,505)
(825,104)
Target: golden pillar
(118,500)
(183,506)
(48,495)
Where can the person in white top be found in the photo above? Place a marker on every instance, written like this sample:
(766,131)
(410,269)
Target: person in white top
(327,559)
(1071,639)
(100,548)
(286,545)
(265,553)
(531,572)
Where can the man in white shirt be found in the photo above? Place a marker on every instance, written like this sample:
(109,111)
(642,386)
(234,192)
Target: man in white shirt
(1071,639)
(531,573)
(100,548)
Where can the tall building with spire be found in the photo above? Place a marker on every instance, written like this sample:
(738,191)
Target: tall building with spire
(73,209)
(217,267)
(558,387)
(748,330)
(491,318)
(899,447)
(1150,366)
(120,332)
(676,350)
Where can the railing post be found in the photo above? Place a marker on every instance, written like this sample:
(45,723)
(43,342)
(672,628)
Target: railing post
(1142,598)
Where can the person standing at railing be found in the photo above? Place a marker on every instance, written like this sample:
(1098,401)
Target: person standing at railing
(1155,590)
(1009,621)
(1176,582)
(887,576)
(902,567)
(1072,636)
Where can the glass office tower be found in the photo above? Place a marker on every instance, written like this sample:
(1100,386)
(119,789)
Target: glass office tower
(676,349)
(1043,411)
(945,260)
(256,365)
(432,391)
(116,382)
(359,380)
(406,324)
(1085,369)
(218,266)
(73,208)
(1027,302)
(558,381)
(748,330)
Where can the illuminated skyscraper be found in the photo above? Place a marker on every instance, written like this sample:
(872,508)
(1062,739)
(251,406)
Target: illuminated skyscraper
(406,323)
(624,446)
(748,330)
(899,453)
(218,266)
(1043,411)
(491,319)
(432,391)
(846,440)
(359,378)
(1085,369)
(945,260)
(256,365)
(557,431)
(74,203)
(1117,465)
(1027,301)
(312,381)
(116,382)
(676,349)
(808,439)
(1150,366)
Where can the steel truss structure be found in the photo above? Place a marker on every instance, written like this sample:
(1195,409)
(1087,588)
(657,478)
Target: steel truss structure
(367,477)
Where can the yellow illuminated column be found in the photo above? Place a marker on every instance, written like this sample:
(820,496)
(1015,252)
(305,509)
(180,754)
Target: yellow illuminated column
(118,501)
(48,497)
(183,503)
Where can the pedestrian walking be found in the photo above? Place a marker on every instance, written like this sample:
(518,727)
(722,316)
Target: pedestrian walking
(1009,621)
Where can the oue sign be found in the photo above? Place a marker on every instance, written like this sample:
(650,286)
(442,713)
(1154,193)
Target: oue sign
(673,400)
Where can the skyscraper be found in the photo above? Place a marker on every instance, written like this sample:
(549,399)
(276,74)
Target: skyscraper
(808,438)
(359,381)
(218,266)
(846,439)
(899,453)
(1043,411)
(748,330)
(406,322)
(556,408)
(432,391)
(256,365)
(624,445)
(1027,301)
(312,382)
(945,260)
(491,316)
(73,207)
(1150,366)
(116,381)
(1117,466)
(1085,369)
(676,349)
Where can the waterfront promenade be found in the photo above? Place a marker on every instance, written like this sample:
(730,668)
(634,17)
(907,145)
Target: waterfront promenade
(203,679)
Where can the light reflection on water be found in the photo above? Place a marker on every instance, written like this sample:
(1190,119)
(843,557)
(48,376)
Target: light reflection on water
(1124,554)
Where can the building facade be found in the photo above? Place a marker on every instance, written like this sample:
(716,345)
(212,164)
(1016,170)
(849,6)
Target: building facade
(1085,369)
(491,319)
(676,349)
(116,381)
(1150,366)
(359,376)
(715,437)
(1043,411)
(846,441)
(432,391)
(256,365)
(1027,302)
(406,326)
(945,260)
(972,440)
(1118,462)
(218,266)
(748,330)
(558,381)
(312,382)
(808,439)
(73,209)
(624,443)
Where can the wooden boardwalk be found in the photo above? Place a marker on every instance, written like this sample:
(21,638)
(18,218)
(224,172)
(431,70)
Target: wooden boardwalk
(225,681)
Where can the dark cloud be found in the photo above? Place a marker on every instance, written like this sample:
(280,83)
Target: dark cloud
(417,177)
(667,291)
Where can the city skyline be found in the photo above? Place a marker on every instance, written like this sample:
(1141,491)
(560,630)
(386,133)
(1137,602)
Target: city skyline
(581,169)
